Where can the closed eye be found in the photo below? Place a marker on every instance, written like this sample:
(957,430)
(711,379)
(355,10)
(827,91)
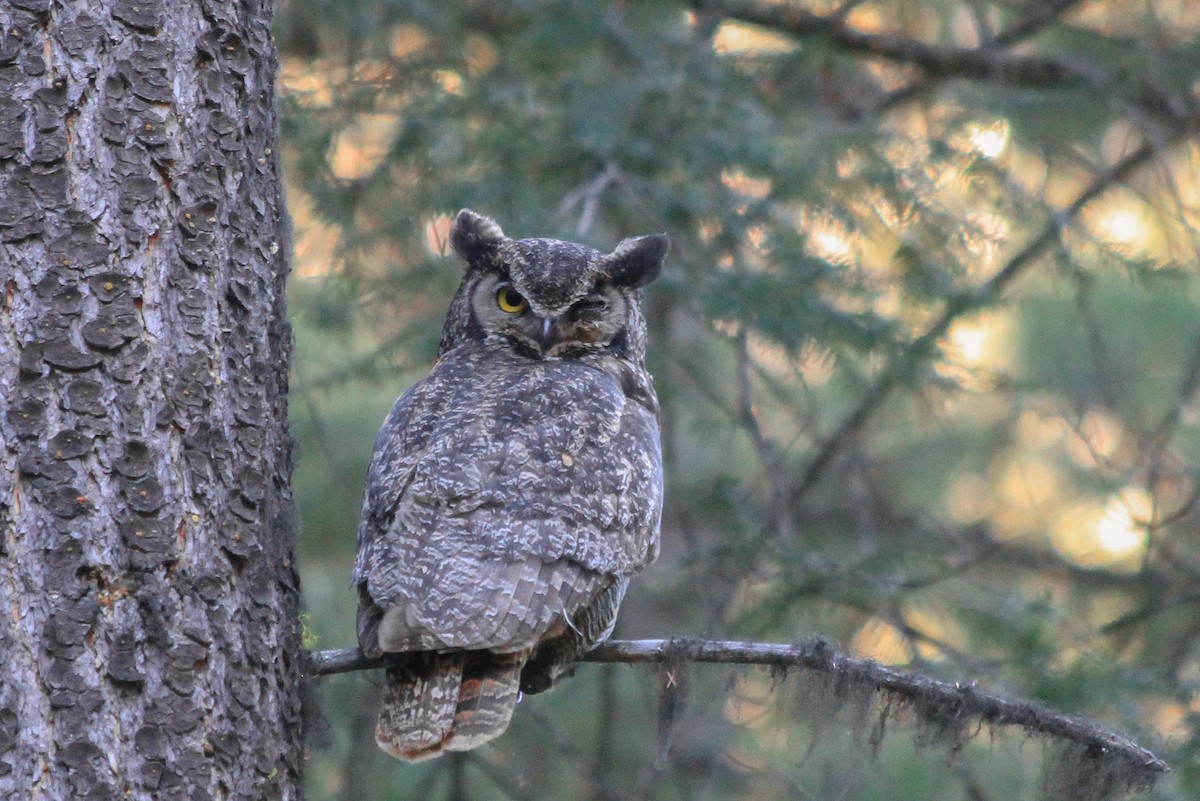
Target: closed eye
(590,305)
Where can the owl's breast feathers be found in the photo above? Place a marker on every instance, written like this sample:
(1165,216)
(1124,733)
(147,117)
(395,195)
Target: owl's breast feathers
(499,474)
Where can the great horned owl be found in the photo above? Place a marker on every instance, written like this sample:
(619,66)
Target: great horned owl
(512,492)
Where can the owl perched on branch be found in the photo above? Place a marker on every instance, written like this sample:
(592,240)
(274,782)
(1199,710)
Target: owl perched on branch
(513,491)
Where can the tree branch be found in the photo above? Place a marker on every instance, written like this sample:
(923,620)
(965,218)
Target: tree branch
(988,63)
(938,703)
(900,367)
(935,60)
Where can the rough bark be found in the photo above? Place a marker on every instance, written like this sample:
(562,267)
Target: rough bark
(149,630)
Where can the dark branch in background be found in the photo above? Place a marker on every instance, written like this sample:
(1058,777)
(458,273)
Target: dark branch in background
(988,63)
(957,707)
(938,61)
(985,293)
(1037,19)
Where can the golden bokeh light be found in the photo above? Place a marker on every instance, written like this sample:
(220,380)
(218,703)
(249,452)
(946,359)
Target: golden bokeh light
(315,242)
(1029,492)
(481,54)
(975,348)
(828,238)
(1097,437)
(437,234)
(985,234)
(772,357)
(1122,225)
(1136,229)
(868,19)
(968,341)
(817,364)
(990,139)
(311,84)
(1121,531)
(1111,535)
(745,184)
(450,81)
(1039,429)
(407,41)
(934,625)
(882,642)
(1170,719)
(734,38)
(361,147)
(750,701)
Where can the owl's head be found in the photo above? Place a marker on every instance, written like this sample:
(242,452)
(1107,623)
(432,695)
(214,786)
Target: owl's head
(547,298)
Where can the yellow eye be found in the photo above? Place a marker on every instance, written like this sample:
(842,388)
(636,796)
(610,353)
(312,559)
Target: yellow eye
(510,300)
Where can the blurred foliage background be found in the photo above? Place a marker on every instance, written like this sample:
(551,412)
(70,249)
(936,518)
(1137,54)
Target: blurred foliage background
(928,348)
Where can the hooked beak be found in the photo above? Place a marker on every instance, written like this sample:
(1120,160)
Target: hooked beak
(546,334)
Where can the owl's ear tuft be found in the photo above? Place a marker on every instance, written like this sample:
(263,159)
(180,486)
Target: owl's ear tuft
(474,236)
(637,261)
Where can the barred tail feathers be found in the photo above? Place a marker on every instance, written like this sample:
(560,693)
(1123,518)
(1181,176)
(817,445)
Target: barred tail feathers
(419,700)
(447,702)
(486,700)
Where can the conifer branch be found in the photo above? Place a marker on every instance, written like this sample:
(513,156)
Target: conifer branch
(956,708)
(895,374)
(991,62)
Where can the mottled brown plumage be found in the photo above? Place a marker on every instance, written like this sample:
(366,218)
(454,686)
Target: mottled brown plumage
(513,491)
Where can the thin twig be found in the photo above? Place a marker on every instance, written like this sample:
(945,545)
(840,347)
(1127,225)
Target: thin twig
(587,197)
(764,446)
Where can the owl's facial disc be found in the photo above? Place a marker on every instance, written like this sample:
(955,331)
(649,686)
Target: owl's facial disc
(590,323)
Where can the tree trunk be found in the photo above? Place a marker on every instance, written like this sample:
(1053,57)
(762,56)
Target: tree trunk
(149,629)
